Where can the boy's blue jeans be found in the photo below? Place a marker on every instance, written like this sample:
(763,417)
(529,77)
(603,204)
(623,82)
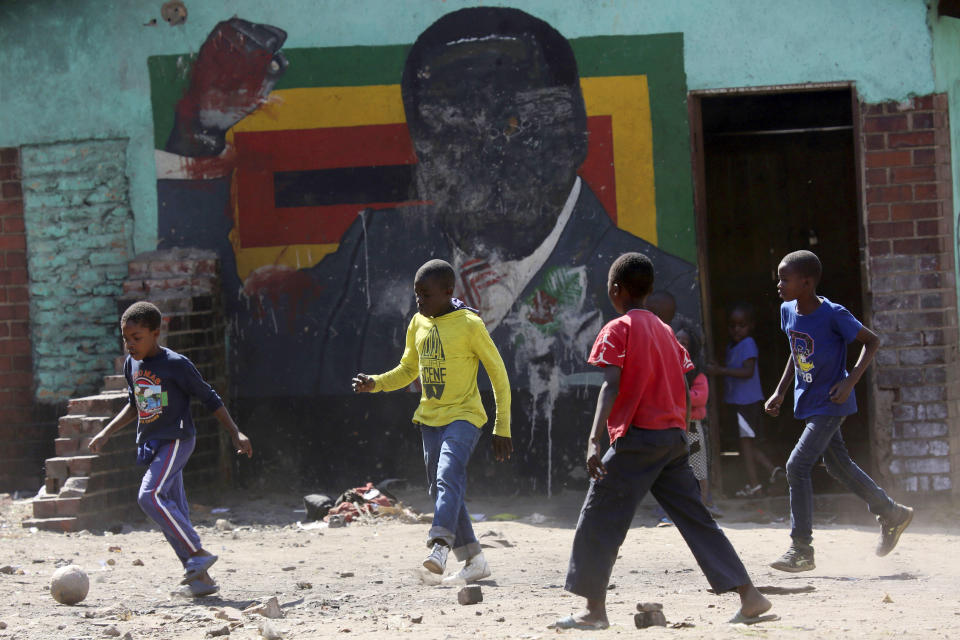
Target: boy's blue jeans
(446,451)
(822,437)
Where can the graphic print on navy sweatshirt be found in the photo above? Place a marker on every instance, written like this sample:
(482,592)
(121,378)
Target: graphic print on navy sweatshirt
(150,396)
(433,371)
(802,346)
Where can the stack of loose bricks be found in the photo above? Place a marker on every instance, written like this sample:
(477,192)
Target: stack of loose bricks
(95,491)
(910,239)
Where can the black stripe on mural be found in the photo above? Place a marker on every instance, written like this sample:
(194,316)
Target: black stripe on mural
(346,185)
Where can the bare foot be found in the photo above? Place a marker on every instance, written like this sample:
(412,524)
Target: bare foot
(595,612)
(752,602)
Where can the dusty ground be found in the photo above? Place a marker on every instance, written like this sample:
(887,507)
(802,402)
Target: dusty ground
(361,580)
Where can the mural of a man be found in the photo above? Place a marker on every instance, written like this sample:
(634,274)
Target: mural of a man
(495,110)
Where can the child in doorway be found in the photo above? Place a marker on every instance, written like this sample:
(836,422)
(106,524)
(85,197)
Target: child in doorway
(644,405)
(446,341)
(743,397)
(689,338)
(819,331)
(160,383)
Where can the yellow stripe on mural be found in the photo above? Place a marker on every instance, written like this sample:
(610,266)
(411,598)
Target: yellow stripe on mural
(625,98)
(320,107)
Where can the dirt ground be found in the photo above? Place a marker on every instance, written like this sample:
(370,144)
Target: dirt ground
(362,581)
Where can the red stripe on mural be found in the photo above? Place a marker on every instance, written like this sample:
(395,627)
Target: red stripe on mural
(597,170)
(261,153)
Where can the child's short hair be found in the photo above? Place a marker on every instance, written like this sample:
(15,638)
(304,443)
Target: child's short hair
(144,313)
(634,272)
(439,269)
(746,309)
(804,262)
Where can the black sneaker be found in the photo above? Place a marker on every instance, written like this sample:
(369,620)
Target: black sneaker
(891,527)
(797,558)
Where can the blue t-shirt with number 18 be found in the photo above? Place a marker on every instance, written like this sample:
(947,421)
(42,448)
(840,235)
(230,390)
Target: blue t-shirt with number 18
(818,344)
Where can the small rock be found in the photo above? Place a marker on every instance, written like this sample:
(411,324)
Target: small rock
(416,618)
(303,584)
(649,606)
(127,636)
(111,562)
(269,609)
(346,574)
(471,594)
(228,613)
(887,599)
(336,521)
(219,631)
(223,525)
(3,625)
(501,619)
(646,619)
(269,631)
(7,569)
(111,632)
(114,549)
(288,568)
(138,562)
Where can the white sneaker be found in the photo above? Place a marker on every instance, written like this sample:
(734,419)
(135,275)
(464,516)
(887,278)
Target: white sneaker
(436,562)
(476,568)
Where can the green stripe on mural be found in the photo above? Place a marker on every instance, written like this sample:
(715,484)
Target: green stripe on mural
(659,57)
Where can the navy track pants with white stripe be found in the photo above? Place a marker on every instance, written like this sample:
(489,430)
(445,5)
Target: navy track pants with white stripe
(163,499)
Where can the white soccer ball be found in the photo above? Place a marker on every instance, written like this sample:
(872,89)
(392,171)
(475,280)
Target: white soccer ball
(69,585)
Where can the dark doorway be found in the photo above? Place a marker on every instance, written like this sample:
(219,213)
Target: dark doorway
(776,172)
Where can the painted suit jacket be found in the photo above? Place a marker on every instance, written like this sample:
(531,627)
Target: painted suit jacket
(545,337)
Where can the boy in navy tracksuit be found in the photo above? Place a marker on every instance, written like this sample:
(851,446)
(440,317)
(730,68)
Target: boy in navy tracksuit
(819,331)
(160,384)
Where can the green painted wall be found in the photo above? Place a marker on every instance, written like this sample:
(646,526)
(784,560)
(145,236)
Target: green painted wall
(77,69)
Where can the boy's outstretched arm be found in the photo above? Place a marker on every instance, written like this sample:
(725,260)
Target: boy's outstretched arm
(871,342)
(745,371)
(605,399)
(240,442)
(122,419)
(773,403)
(398,377)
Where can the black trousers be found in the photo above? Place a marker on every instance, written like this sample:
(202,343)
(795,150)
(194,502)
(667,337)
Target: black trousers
(645,460)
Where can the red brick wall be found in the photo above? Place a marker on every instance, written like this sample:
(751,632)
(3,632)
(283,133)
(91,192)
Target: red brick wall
(24,443)
(910,252)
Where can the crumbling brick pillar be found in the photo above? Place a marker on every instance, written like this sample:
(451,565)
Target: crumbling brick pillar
(25,442)
(913,298)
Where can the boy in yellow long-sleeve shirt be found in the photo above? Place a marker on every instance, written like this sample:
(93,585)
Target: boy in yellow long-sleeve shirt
(446,341)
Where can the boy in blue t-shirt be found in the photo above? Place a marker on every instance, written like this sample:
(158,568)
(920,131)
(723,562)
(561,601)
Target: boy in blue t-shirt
(743,397)
(160,384)
(818,331)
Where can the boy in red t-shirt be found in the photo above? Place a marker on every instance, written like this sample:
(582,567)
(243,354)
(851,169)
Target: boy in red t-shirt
(644,404)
